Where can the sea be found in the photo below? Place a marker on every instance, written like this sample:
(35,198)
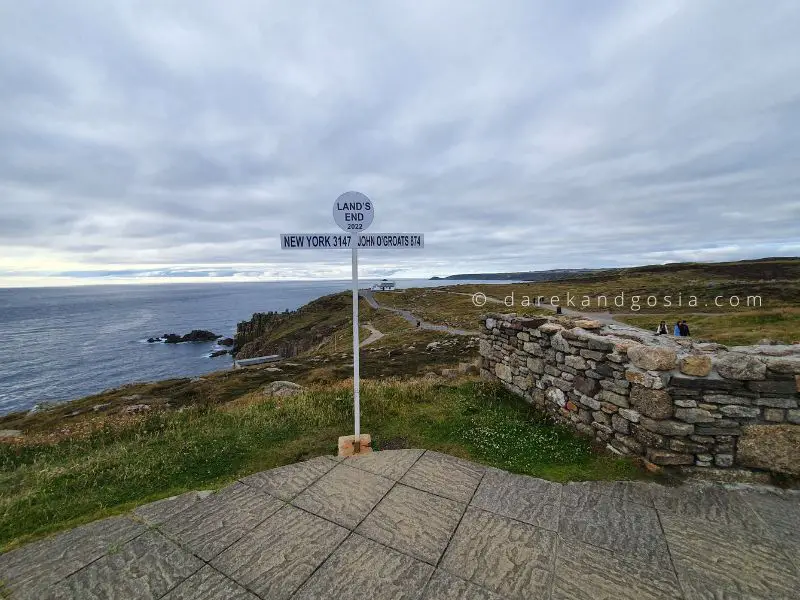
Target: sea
(58,344)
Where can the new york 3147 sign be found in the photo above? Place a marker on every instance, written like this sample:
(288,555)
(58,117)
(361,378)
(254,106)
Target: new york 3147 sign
(353,212)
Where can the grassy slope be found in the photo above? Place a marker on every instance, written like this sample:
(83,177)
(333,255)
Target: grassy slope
(47,487)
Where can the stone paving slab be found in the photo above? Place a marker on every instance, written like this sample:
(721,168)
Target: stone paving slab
(30,569)
(446,586)
(445,475)
(710,502)
(392,465)
(423,525)
(209,584)
(287,482)
(626,528)
(780,513)
(159,511)
(207,528)
(586,572)
(578,494)
(505,556)
(143,569)
(361,568)
(533,501)
(280,554)
(718,561)
(414,522)
(344,495)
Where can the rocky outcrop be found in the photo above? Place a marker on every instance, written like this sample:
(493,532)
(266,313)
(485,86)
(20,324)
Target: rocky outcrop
(225,342)
(670,401)
(281,389)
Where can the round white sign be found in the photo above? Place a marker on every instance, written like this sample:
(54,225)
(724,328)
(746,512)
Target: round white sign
(353,212)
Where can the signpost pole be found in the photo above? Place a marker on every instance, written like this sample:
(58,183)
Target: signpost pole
(356,398)
(353,213)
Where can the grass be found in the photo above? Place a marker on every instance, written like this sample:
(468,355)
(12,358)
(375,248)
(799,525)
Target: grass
(740,328)
(51,486)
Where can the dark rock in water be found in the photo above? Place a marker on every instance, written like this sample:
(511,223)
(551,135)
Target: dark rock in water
(195,335)
(226,342)
(200,335)
(216,353)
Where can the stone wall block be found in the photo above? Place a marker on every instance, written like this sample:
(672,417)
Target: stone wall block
(551,328)
(647,438)
(710,384)
(559,343)
(776,402)
(664,457)
(741,366)
(772,447)
(687,447)
(775,415)
(613,398)
(781,364)
(629,414)
(619,424)
(652,358)
(656,404)
(667,427)
(576,362)
(602,345)
(781,386)
(503,372)
(694,415)
(696,364)
(744,412)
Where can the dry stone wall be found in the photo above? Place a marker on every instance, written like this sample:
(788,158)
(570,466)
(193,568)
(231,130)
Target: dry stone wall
(670,400)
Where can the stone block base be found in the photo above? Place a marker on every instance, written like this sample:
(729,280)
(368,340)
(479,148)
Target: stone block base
(347,446)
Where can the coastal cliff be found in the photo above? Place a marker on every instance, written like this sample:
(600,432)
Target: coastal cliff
(291,333)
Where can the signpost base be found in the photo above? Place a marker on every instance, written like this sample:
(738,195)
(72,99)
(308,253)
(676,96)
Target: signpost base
(349,446)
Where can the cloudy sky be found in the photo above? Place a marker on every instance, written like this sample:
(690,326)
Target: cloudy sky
(156,141)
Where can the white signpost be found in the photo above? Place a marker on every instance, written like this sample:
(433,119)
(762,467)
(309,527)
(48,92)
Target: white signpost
(353,212)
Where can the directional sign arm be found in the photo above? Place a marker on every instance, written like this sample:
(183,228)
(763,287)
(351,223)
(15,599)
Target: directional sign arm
(339,241)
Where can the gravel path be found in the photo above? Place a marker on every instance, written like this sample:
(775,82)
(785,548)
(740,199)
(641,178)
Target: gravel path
(374,336)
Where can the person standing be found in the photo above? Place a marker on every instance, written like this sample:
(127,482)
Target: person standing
(662,328)
(677,329)
(684,328)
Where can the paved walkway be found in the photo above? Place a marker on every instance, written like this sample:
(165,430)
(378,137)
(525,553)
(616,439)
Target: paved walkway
(414,524)
(413,319)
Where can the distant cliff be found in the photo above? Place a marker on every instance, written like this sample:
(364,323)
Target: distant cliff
(291,333)
(552,275)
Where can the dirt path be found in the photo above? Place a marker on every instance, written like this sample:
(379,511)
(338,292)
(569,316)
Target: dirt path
(411,318)
(374,336)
